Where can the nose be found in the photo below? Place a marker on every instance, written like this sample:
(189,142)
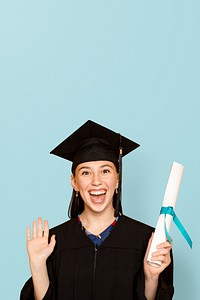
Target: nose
(96,180)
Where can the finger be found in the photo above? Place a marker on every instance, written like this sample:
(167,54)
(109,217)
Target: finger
(158,258)
(148,246)
(164,245)
(167,259)
(46,229)
(150,241)
(28,233)
(40,229)
(34,230)
(163,256)
(162,251)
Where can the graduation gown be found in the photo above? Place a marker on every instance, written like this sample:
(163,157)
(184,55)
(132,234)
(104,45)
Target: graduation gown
(80,271)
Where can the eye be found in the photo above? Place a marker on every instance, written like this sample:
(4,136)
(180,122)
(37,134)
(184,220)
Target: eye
(105,171)
(85,173)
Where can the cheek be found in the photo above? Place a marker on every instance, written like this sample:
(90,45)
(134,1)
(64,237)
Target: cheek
(82,184)
(113,183)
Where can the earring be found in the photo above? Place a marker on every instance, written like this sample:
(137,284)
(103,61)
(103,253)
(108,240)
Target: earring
(76,194)
(116,190)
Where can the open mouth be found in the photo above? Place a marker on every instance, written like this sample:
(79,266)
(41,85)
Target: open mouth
(97,193)
(97,197)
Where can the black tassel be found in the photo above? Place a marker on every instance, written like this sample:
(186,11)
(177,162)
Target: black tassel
(118,206)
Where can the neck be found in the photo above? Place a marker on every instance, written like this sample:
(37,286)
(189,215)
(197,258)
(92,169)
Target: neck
(97,222)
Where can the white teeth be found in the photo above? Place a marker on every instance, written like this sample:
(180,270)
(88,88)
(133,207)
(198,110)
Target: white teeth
(97,193)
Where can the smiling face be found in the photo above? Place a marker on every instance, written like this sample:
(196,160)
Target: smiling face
(96,181)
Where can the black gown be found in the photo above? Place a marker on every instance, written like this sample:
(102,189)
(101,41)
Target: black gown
(80,271)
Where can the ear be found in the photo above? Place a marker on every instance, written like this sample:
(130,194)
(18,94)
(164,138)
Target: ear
(117,185)
(73,183)
(117,181)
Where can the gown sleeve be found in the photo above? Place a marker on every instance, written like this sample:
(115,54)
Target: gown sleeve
(165,288)
(27,292)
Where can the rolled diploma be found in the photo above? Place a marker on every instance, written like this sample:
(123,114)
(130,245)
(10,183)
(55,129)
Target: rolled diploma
(170,198)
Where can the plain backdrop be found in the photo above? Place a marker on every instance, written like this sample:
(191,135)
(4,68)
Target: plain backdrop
(132,66)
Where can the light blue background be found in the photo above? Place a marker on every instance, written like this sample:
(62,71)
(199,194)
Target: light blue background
(132,66)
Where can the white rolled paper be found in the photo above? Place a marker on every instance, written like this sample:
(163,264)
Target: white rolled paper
(170,198)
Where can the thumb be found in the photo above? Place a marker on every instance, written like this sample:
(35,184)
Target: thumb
(149,245)
(52,242)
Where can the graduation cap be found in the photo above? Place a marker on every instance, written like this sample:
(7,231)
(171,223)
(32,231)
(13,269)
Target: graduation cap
(94,142)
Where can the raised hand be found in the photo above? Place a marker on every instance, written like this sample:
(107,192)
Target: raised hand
(38,246)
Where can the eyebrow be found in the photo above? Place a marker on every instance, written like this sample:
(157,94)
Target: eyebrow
(101,166)
(106,165)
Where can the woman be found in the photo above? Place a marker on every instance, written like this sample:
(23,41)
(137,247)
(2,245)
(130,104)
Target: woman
(100,253)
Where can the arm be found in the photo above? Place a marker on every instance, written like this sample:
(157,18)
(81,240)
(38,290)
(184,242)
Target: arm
(39,249)
(152,273)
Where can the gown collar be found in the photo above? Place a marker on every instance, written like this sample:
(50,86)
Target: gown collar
(100,238)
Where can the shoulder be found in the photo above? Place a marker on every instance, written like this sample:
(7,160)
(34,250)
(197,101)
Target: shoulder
(133,233)
(135,224)
(61,228)
(69,235)
(64,231)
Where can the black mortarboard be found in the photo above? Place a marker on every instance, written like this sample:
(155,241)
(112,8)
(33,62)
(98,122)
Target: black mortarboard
(92,142)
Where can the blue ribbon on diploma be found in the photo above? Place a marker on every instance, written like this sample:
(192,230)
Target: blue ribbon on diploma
(169,210)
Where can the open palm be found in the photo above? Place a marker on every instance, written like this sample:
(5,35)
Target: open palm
(38,246)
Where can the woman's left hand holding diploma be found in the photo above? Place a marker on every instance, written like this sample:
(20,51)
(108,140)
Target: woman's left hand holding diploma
(152,273)
(162,254)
